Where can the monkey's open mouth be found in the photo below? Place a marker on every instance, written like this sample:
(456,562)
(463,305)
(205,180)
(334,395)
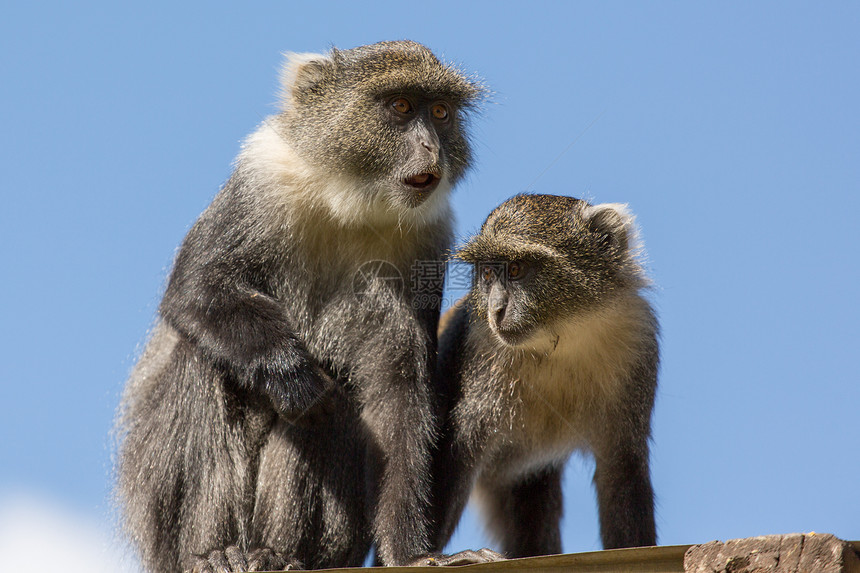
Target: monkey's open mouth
(422,181)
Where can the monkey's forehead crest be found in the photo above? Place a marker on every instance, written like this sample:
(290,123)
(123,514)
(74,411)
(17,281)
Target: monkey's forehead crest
(525,211)
(409,66)
(383,69)
(503,247)
(535,219)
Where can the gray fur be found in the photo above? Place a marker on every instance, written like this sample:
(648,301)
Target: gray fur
(562,357)
(278,417)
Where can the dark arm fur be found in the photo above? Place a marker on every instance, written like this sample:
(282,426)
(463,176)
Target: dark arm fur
(395,362)
(219,298)
(452,469)
(622,477)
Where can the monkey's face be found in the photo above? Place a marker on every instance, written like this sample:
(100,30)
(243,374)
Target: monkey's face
(388,119)
(522,298)
(426,148)
(527,300)
(398,148)
(503,296)
(542,261)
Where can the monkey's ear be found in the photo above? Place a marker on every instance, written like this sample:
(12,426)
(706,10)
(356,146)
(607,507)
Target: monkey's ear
(612,220)
(300,73)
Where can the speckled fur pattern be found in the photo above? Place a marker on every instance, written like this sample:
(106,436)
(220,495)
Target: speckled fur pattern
(583,377)
(278,416)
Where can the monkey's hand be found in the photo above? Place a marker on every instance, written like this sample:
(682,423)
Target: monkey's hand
(248,335)
(297,388)
(330,399)
(468,557)
(233,560)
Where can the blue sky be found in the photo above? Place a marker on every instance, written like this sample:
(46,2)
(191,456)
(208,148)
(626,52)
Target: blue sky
(732,130)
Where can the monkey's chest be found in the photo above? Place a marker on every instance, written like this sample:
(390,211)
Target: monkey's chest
(363,317)
(559,408)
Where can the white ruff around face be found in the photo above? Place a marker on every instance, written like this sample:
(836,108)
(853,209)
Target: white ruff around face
(560,381)
(293,185)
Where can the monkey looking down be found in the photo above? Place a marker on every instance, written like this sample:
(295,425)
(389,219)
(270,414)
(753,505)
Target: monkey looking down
(282,413)
(553,351)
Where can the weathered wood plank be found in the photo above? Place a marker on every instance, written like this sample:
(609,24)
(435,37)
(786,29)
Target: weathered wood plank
(665,559)
(793,553)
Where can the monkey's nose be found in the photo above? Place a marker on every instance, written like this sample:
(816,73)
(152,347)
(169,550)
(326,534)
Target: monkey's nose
(432,147)
(499,314)
(498,304)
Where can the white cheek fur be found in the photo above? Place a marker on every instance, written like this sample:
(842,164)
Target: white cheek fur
(293,186)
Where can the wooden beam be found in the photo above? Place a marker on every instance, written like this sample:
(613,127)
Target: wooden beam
(664,559)
(816,554)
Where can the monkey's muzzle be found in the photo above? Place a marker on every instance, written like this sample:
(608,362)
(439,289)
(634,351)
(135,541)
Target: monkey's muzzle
(421,185)
(422,181)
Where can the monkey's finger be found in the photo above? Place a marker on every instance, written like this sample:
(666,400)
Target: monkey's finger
(218,562)
(469,557)
(265,559)
(236,559)
(256,562)
(200,565)
(489,555)
(261,559)
(425,561)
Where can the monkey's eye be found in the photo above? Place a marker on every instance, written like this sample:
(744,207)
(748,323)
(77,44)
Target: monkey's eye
(487,273)
(439,111)
(516,270)
(401,105)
